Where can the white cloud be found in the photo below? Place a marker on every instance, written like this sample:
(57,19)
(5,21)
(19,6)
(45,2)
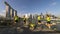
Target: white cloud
(2,13)
(20,15)
(54,3)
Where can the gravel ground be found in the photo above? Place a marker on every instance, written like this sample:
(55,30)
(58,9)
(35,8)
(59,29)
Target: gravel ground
(23,30)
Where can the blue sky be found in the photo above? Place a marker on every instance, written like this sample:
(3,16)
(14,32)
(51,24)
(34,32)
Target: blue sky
(32,6)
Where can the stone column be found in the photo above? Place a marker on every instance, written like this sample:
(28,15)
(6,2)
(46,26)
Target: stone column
(7,10)
(12,12)
(15,13)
